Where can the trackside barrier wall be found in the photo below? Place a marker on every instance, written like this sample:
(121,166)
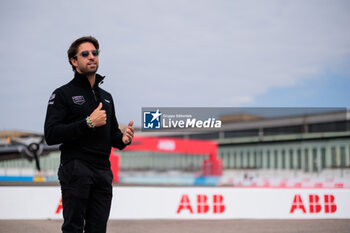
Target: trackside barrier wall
(187,203)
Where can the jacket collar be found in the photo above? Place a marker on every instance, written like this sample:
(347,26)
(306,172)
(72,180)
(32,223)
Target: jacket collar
(82,80)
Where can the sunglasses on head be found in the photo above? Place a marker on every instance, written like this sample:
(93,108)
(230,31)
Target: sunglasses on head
(86,53)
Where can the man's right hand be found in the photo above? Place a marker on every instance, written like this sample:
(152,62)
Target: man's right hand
(98,117)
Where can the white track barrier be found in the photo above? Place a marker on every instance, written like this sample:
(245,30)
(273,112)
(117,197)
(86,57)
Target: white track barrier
(187,203)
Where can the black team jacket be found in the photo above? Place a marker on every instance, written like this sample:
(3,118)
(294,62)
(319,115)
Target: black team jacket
(65,122)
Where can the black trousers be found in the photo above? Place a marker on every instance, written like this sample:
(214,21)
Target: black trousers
(86,197)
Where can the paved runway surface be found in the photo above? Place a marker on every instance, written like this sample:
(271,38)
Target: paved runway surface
(189,226)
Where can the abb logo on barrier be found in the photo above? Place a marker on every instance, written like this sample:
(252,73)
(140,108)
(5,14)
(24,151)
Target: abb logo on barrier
(59,207)
(314,204)
(218,207)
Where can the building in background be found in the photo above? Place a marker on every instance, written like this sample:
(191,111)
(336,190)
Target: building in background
(308,142)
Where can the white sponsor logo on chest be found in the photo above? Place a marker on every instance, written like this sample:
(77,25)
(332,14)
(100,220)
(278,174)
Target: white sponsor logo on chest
(78,99)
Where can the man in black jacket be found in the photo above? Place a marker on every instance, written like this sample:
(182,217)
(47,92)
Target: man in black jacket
(81,116)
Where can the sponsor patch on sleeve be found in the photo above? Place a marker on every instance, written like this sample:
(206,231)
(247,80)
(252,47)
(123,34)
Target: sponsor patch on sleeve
(52,99)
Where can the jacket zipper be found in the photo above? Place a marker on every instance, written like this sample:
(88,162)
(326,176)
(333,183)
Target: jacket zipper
(93,92)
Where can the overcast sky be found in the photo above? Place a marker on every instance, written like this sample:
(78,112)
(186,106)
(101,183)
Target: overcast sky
(177,53)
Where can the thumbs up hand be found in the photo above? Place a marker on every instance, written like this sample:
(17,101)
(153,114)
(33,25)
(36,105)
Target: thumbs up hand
(128,134)
(98,117)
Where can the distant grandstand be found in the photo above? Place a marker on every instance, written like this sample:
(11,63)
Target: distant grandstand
(290,150)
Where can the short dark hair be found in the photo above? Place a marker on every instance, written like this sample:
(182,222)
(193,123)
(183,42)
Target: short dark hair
(73,49)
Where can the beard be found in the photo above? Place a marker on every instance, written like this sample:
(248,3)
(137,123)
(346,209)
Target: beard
(89,69)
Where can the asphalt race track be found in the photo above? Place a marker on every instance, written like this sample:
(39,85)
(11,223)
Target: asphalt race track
(189,226)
